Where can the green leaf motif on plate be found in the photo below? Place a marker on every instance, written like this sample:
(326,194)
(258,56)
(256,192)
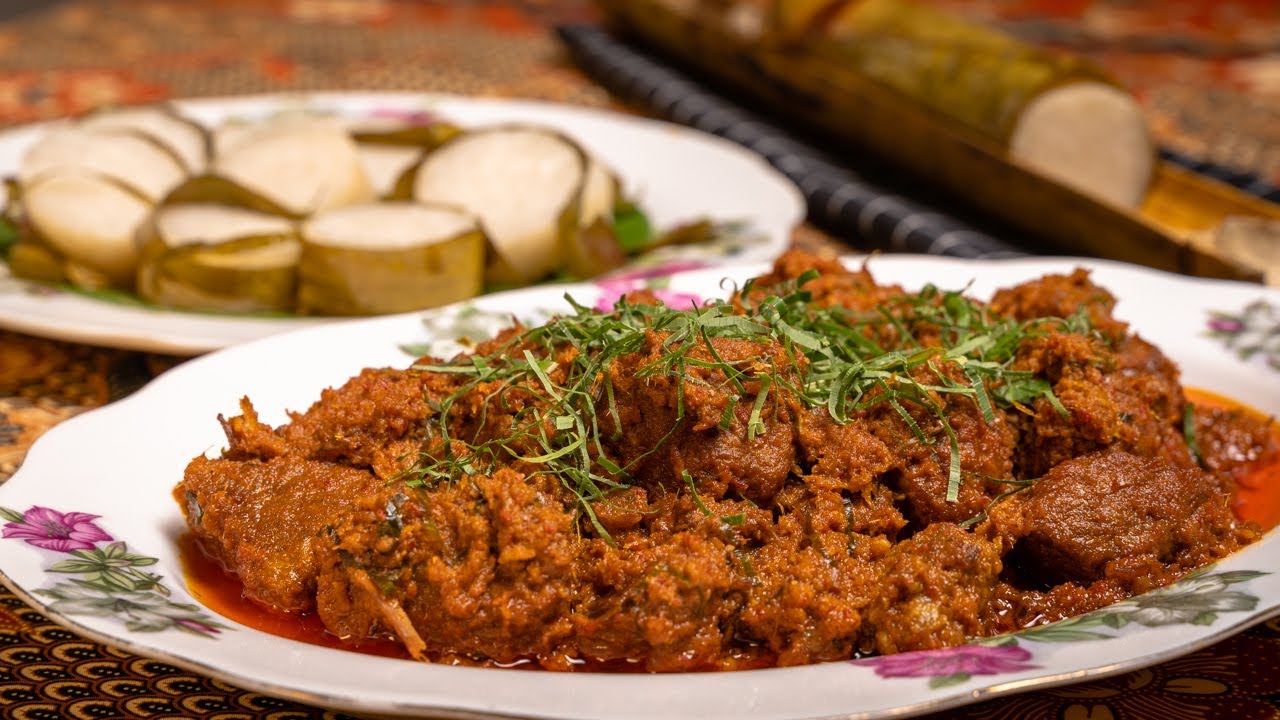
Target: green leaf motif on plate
(1197,599)
(1252,332)
(108,579)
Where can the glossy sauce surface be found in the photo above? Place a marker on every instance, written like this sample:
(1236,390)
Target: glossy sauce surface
(1258,497)
(221,592)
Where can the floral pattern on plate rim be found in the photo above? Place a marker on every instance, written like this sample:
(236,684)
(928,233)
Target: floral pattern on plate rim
(1252,332)
(1196,599)
(105,579)
(111,582)
(456,330)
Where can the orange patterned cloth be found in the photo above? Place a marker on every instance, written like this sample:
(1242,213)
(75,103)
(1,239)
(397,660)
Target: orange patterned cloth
(1208,75)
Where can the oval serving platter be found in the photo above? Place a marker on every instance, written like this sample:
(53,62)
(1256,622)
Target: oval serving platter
(91,533)
(676,175)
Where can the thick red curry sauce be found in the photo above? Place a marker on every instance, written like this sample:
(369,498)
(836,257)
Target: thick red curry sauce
(1258,497)
(1257,500)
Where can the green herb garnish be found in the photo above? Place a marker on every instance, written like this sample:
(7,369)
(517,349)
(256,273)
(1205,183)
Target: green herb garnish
(8,236)
(1189,434)
(844,361)
(631,227)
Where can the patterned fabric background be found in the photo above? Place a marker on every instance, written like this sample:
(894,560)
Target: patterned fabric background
(75,56)
(1208,70)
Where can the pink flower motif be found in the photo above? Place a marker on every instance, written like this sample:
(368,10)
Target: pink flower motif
(408,117)
(612,290)
(51,530)
(1225,325)
(965,659)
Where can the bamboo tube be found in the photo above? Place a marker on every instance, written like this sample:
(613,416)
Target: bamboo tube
(960,140)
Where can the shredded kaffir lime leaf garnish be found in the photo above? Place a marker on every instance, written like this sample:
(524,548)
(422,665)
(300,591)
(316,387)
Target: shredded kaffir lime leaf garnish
(835,362)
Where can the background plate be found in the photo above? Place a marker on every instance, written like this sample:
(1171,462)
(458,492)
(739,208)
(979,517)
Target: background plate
(676,174)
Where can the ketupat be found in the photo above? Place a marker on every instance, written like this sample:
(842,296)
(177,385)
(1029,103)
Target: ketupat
(304,162)
(389,149)
(107,201)
(389,257)
(216,256)
(533,189)
(181,136)
(83,188)
(84,222)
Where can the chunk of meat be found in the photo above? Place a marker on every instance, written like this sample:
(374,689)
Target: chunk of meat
(835,285)
(263,520)
(1232,441)
(1093,515)
(812,582)
(701,421)
(481,568)
(1061,296)
(661,605)
(1127,396)
(935,590)
(374,420)
(922,471)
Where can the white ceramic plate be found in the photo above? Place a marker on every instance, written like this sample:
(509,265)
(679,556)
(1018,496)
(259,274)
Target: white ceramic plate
(118,464)
(677,174)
